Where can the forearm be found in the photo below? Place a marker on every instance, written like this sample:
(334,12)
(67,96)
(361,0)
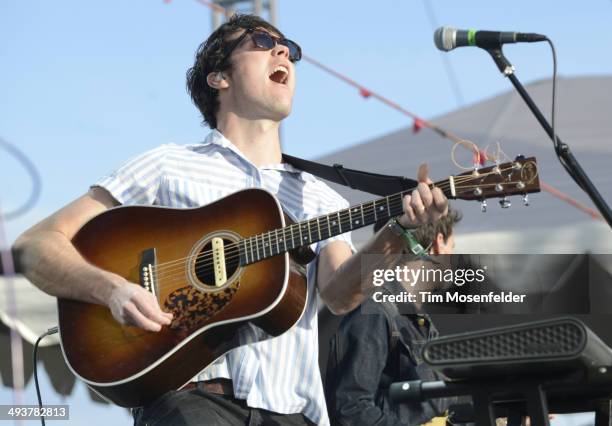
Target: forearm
(50,261)
(348,285)
(341,280)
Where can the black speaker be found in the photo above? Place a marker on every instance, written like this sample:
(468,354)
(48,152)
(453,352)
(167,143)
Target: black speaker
(559,344)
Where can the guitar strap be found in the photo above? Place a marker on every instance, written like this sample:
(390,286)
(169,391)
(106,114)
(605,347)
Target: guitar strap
(373,183)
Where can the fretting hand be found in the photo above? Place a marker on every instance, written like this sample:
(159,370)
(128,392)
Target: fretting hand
(424,205)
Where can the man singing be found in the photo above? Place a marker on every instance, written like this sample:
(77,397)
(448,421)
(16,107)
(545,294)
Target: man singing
(243,82)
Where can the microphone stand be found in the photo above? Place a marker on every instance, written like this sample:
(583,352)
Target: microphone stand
(563,151)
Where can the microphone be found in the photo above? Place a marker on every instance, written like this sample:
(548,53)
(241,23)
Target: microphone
(448,38)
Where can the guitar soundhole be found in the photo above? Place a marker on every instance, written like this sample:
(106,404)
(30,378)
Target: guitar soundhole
(204,270)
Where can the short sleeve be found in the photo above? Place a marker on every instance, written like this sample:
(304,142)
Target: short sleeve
(138,180)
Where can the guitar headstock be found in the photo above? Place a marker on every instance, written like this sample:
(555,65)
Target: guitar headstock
(517,177)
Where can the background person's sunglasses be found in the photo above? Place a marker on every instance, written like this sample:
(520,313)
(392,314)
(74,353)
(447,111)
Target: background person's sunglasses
(265,40)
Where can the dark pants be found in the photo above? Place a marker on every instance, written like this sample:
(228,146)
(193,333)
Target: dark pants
(197,407)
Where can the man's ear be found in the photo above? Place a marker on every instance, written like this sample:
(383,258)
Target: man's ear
(217,80)
(438,242)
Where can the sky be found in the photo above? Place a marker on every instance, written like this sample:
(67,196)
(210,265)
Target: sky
(84,86)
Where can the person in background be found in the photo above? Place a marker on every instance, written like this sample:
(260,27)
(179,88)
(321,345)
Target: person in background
(374,349)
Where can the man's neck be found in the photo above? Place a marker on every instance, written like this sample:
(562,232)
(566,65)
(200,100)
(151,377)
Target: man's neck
(258,140)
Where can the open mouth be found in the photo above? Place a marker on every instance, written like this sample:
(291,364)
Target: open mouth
(280,74)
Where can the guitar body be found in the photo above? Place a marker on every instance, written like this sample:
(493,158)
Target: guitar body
(130,366)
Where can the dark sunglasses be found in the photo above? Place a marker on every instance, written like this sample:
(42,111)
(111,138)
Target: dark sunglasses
(265,40)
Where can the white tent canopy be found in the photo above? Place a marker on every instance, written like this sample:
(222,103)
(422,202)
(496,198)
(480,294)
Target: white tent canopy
(549,225)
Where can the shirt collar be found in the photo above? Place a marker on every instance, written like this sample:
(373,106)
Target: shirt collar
(215,137)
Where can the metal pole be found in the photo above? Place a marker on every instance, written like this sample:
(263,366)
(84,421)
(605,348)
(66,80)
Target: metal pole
(272,11)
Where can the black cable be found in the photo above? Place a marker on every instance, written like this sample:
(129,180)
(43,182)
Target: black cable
(34,176)
(558,146)
(553,114)
(554,92)
(49,332)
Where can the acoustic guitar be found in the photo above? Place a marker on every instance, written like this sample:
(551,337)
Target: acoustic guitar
(218,268)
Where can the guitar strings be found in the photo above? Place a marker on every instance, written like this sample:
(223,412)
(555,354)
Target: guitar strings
(257,249)
(234,250)
(200,266)
(233,253)
(169,279)
(285,232)
(164,270)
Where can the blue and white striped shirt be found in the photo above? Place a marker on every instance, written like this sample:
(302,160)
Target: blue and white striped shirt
(280,374)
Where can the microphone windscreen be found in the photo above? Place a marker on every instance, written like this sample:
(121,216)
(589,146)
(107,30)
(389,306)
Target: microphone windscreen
(444,38)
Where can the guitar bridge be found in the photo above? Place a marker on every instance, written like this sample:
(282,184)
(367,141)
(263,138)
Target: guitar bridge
(147,278)
(218,251)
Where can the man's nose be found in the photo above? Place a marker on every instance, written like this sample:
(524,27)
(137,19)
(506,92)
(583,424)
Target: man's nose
(281,50)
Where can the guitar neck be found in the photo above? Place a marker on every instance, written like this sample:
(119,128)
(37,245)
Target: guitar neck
(277,241)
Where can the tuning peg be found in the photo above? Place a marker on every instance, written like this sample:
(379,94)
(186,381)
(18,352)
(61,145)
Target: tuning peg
(483,206)
(525,200)
(516,165)
(505,203)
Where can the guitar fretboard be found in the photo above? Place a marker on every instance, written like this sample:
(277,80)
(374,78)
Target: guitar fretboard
(277,241)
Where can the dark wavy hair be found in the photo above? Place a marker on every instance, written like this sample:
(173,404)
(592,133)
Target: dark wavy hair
(211,57)
(426,234)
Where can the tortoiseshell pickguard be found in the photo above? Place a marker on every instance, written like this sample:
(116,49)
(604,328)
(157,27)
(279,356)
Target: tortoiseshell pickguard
(191,307)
